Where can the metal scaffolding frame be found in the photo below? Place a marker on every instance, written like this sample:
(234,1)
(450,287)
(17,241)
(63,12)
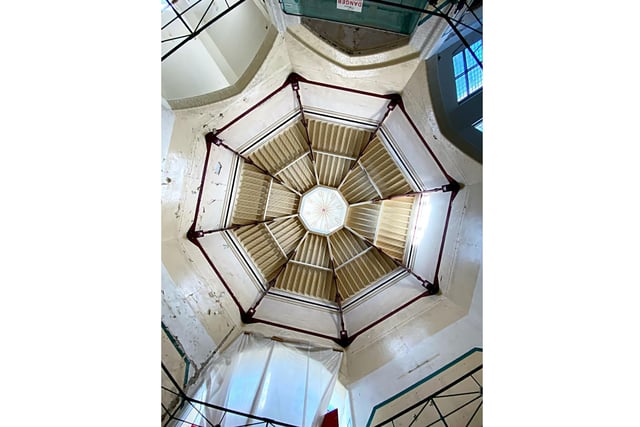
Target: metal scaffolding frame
(185,399)
(200,27)
(436,11)
(474,400)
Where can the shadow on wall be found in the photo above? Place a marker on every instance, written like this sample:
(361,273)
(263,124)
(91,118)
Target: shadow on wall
(456,113)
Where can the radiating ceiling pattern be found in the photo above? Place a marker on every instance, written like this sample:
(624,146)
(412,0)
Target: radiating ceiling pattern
(296,170)
(343,254)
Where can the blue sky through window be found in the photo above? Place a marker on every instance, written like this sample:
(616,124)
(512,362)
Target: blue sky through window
(467,72)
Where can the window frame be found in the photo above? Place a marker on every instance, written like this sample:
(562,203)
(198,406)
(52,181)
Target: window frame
(466,70)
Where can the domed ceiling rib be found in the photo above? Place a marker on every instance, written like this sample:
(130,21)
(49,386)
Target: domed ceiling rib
(341,266)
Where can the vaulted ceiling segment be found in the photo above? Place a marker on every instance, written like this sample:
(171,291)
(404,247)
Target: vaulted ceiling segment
(304,148)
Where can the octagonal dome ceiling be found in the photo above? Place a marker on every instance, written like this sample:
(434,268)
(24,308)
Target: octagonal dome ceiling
(335,228)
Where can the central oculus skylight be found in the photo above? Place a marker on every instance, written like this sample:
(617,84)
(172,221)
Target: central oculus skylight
(323,210)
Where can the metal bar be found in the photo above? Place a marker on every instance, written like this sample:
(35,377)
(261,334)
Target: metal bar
(462,406)
(444,234)
(476,381)
(469,27)
(224,282)
(456,21)
(224,414)
(201,233)
(449,20)
(458,394)
(174,38)
(472,12)
(202,182)
(424,142)
(179,16)
(423,20)
(250,109)
(173,417)
(411,193)
(440,391)
(338,298)
(392,105)
(416,416)
(292,328)
(204,14)
(204,27)
(463,40)
(220,408)
(201,414)
(473,415)
(386,316)
(183,12)
(296,88)
(439,413)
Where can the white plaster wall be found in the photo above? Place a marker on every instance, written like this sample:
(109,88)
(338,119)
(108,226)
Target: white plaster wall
(191,71)
(239,35)
(184,325)
(167,119)
(415,358)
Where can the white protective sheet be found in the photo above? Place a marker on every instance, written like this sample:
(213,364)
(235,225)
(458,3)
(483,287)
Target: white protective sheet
(284,381)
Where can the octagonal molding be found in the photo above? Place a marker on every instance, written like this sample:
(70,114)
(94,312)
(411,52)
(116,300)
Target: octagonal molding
(323,210)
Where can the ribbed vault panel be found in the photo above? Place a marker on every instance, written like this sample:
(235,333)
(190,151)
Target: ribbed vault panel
(282,202)
(287,233)
(383,170)
(393,226)
(299,175)
(337,139)
(361,271)
(357,187)
(262,248)
(314,251)
(331,169)
(282,150)
(309,273)
(252,196)
(363,219)
(345,246)
(306,280)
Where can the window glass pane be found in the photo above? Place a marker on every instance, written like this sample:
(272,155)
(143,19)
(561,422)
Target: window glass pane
(470,61)
(478,125)
(467,71)
(477,49)
(461,88)
(477,45)
(458,65)
(475,79)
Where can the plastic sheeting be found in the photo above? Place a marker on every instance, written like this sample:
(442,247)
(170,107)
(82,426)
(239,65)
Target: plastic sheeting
(290,382)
